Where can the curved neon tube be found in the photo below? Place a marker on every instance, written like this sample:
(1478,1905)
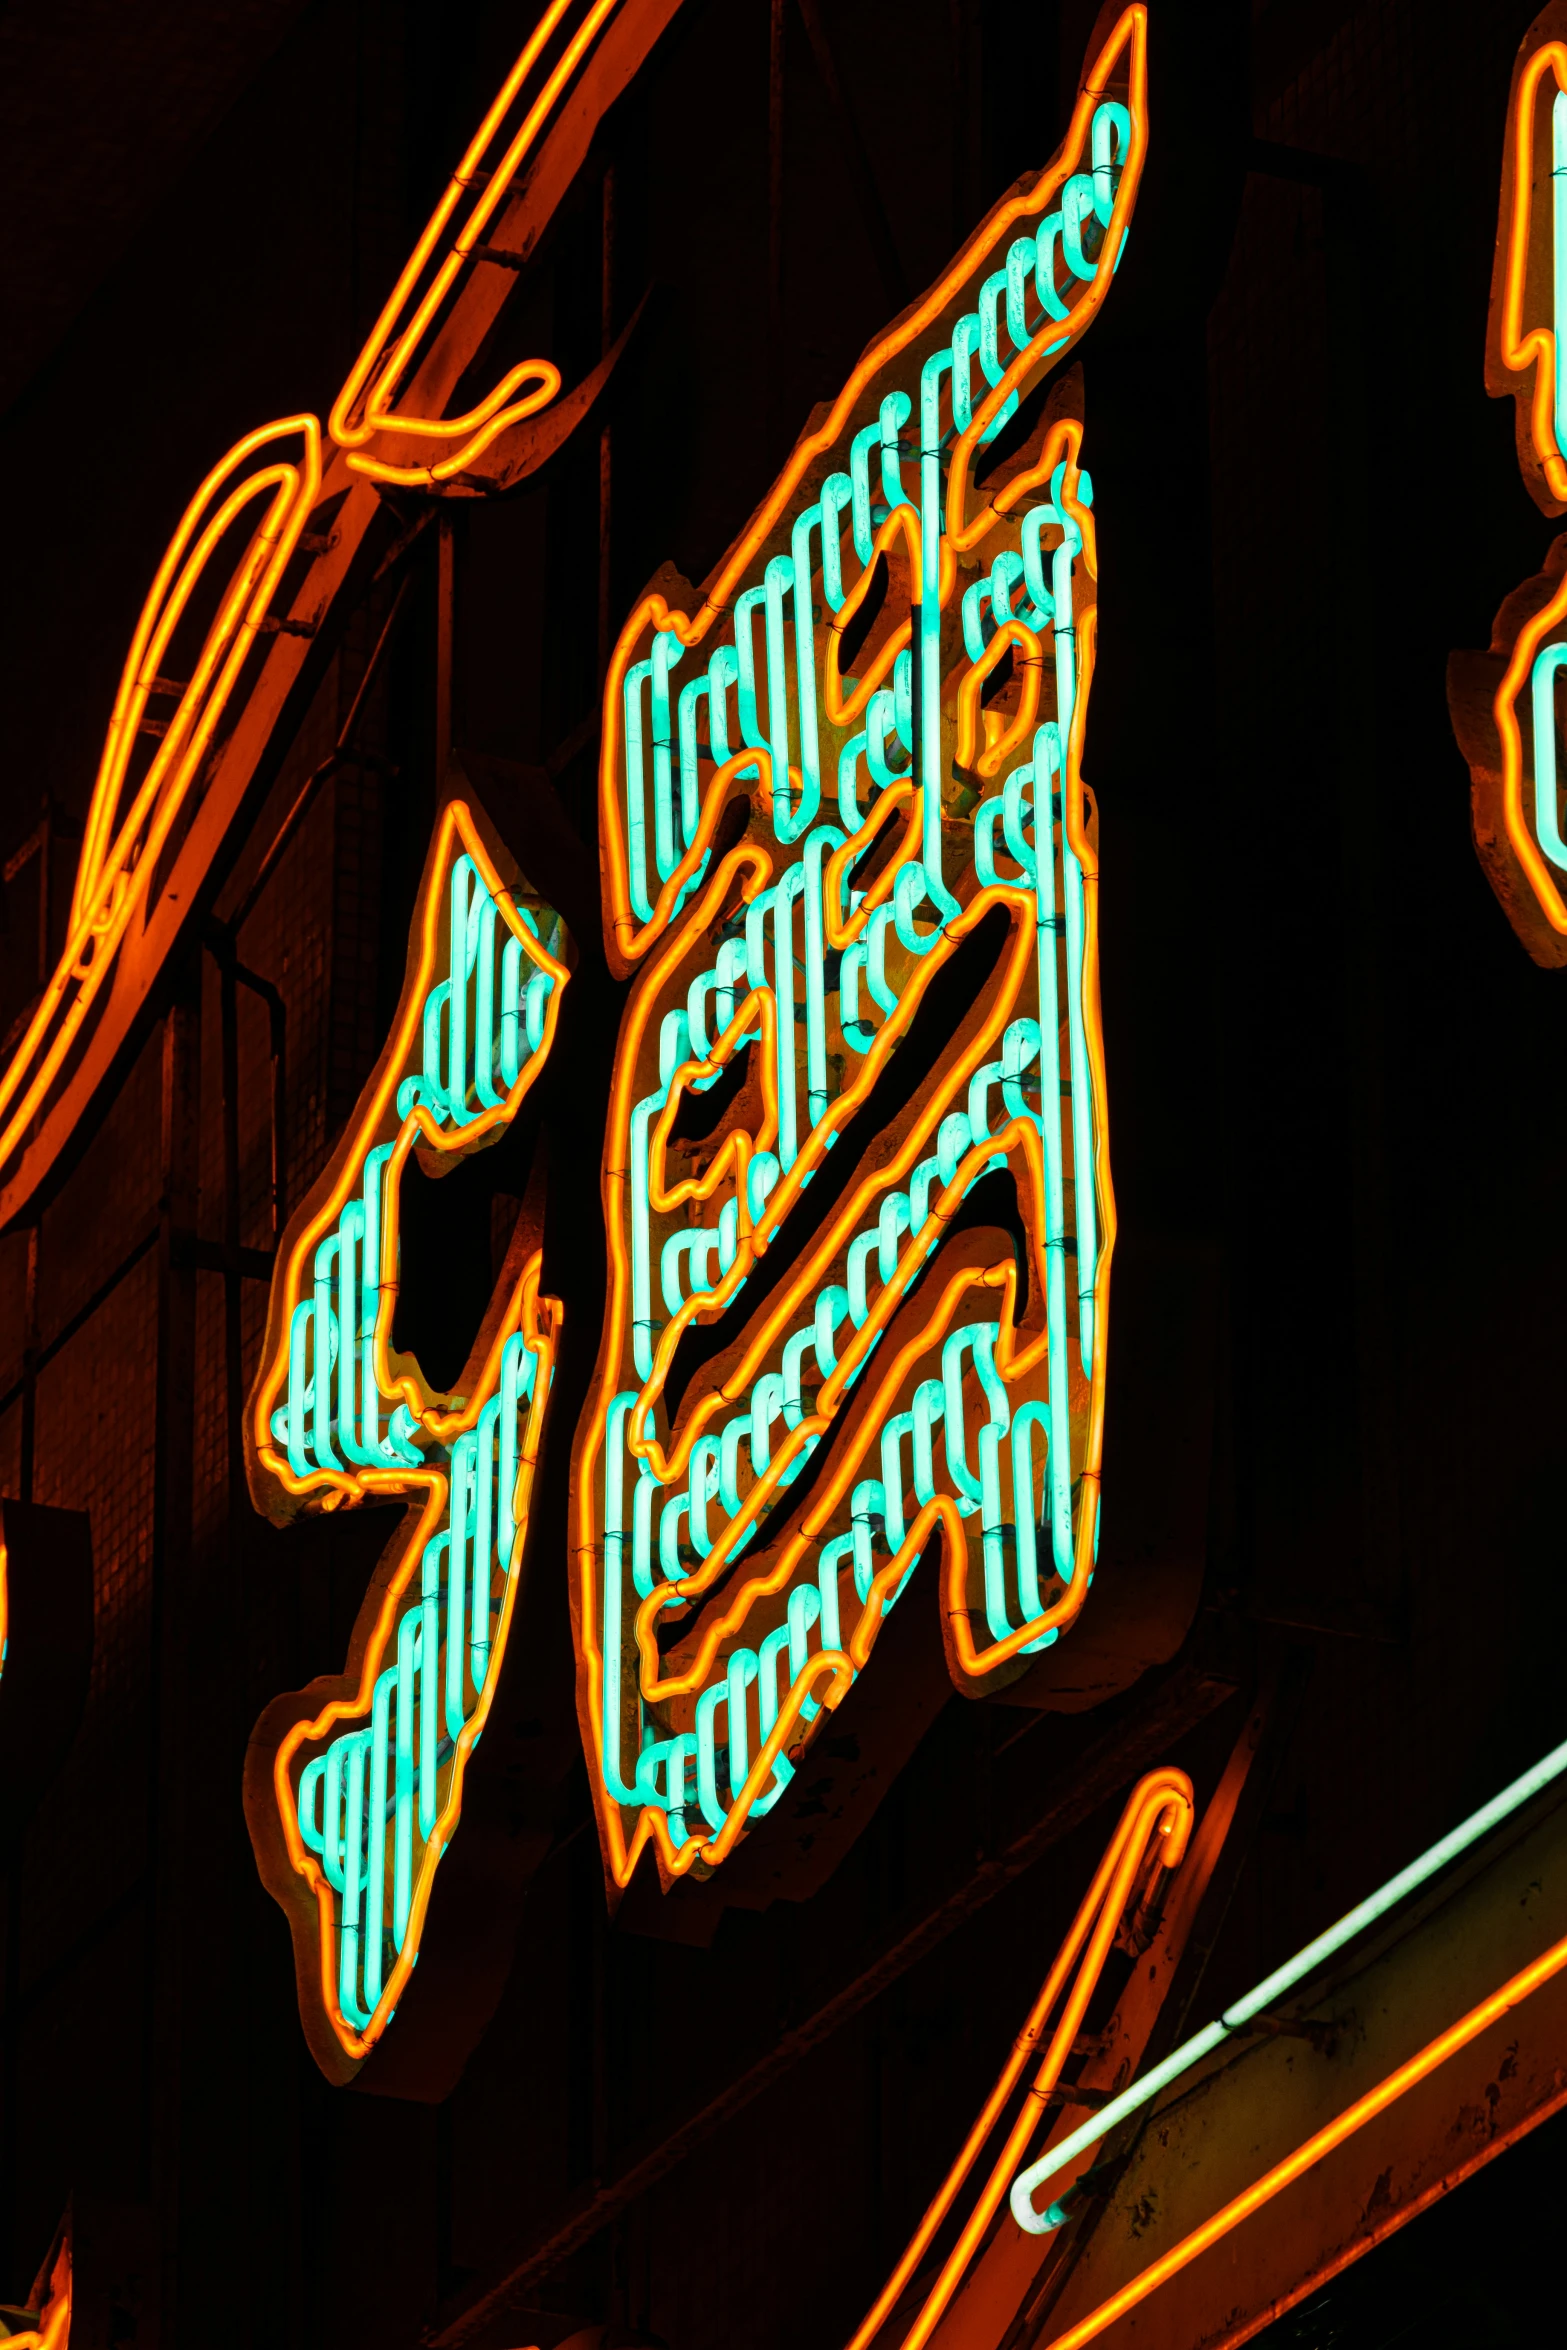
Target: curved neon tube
(121,844)
(365,406)
(368,1791)
(691,1728)
(1159,1808)
(128,824)
(1530,822)
(1295,1970)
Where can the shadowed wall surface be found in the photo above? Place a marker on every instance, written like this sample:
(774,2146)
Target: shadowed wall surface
(1329,1067)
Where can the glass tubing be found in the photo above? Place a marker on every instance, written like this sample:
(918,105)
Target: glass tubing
(476,1037)
(1273,1988)
(1035,586)
(1551,658)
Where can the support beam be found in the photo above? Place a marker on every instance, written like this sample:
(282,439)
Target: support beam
(1251,2107)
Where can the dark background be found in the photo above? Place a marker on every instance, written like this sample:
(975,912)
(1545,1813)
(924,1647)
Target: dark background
(1332,1070)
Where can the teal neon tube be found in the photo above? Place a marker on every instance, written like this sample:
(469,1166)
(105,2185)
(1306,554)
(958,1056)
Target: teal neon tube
(1547,823)
(765,690)
(1273,1987)
(362,1804)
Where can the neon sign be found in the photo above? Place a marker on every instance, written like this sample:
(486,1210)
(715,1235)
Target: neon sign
(871,760)
(1504,704)
(1257,2012)
(365,1785)
(200,700)
(470,212)
(52,2291)
(132,816)
(819,779)
(1151,1839)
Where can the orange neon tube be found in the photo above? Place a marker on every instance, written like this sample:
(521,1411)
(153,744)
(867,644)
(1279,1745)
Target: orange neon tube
(1128,42)
(541,1318)
(118,878)
(347,429)
(53,2330)
(660,931)
(456,835)
(1537,348)
(1518,350)
(1436,2052)
(364,406)
(165,603)
(1158,1813)
(441,1416)
(1505,708)
(1011,636)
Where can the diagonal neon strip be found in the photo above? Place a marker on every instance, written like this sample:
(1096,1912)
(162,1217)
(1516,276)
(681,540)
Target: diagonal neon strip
(1436,2052)
(1273,1987)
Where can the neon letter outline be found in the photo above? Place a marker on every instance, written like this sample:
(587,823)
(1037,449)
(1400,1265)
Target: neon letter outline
(1503,702)
(152,843)
(354,1787)
(680,1620)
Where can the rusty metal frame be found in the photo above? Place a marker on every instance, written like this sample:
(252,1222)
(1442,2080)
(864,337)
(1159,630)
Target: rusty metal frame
(1251,2106)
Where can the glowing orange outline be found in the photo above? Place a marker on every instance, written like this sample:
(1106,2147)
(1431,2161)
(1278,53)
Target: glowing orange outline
(1469,2027)
(1516,351)
(835,873)
(841,711)
(53,2330)
(1160,1805)
(445,1416)
(1012,634)
(750,867)
(442,1417)
(539,1318)
(1129,37)
(1524,845)
(112,882)
(363,406)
